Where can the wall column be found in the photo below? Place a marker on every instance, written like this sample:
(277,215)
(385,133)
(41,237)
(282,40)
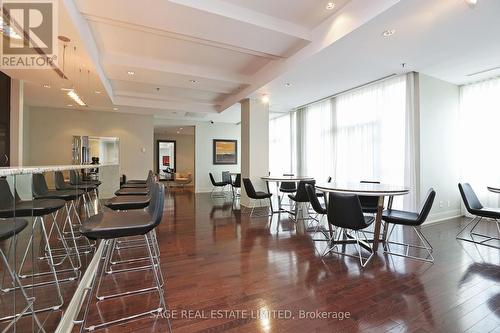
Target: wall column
(16,122)
(254,145)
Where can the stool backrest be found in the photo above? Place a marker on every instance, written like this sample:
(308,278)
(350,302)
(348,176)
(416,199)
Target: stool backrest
(39,185)
(6,197)
(155,207)
(59,181)
(344,210)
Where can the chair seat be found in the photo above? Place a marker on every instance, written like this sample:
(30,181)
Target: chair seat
(288,190)
(83,187)
(220,184)
(400,217)
(134,186)
(132,191)
(294,198)
(88,182)
(489,212)
(38,207)
(61,194)
(111,225)
(262,195)
(128,202)
(320,194)
(11,227)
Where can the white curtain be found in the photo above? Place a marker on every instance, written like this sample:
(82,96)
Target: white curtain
(365,134)
(479,121)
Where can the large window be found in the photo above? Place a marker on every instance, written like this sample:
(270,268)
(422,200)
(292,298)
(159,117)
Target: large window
(479,118)
(364,134)
(280,145)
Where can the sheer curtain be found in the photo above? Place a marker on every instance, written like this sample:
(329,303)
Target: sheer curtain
(373,136)
(479,120)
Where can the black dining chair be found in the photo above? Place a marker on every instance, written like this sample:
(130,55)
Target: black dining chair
(318,208)
(413,220)
(346,217)
(256,195)
(475,208)
(369,204)
(236,185)
(301,199)
(216,185)
(286,188)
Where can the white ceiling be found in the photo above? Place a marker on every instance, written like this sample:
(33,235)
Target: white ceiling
(445,39)
(233,49)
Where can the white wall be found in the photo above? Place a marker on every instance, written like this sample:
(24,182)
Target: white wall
(185,152)
(439,160)
(51,132)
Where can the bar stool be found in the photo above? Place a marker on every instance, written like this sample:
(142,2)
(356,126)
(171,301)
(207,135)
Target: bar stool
(111,226)
(12,206)
(139,185)
(41,191)
(139,181)
(9,229)
(61,184)
(76,179)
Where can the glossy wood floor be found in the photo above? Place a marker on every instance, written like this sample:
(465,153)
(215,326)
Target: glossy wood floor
(215,257)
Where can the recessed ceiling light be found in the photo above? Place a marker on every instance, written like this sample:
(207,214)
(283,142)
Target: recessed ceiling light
(389,32)
(330,6)
(181,128)
(97,92)
(471,3)
(193,81)
(265,99)
(46,86)
(70,105)
(288,84)
(178,132)
(115,109)
(131,73)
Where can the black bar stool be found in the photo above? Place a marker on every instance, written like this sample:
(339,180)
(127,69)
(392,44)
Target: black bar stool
(140,185)
(61,184)
(111,226)
(9,229)
(12,206)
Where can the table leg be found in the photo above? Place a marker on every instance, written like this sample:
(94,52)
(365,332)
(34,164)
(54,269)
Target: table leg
(378,223)
(386,226)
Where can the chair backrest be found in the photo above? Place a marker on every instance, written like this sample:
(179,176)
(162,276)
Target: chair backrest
(368,201)
(469,197)
(74,177)
(249,189)
(226,177)
(212,179)
(237,180)
(329,179)
(301,195)
(313,199)
(288,185)
(344,210)
(6,197)
(426,208)
(59,181)
(39,185)
(157,202)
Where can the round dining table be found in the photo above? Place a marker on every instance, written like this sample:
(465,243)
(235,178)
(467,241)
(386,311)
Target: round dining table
(281,179)
(494,189)
(367,189)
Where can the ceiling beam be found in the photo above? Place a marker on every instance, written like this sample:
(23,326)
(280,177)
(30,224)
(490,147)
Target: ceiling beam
(133,62)
(353,15)
(165,105)
(249,16)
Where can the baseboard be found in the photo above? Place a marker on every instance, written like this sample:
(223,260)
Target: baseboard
(443,217)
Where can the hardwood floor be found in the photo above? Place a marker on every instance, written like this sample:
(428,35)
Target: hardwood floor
(215,258)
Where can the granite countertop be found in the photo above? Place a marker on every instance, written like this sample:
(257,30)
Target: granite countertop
(23,170)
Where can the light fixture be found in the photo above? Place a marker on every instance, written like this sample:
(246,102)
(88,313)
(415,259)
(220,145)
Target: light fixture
(115,109)
(471,3)
(389,32)
(75,97)
(330,6)
(131,73)
(288,84)
(46,86)
(178,132)
(180,128)
(70,105)
(193,81)
(97,92)
(265,99)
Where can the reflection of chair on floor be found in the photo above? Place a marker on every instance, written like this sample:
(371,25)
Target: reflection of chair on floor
(182,179)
